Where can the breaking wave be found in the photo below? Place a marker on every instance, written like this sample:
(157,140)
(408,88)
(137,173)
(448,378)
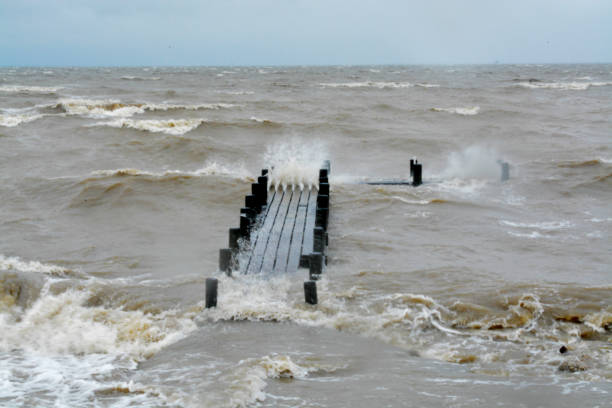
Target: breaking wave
(113,108)
(564,86)
(248,379)
(30,89)
(210,169)
(12,120)
(368,84)
(545,226)
(459,111)
(139,78)
(174,127)
(17,264)
(511,324)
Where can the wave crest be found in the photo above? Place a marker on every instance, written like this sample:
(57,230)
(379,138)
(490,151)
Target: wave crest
(25,89)
(564,86)
(174,127)
(467,111)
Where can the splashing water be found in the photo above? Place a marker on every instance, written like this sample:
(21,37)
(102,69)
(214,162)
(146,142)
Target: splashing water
(294,163)
(474,162)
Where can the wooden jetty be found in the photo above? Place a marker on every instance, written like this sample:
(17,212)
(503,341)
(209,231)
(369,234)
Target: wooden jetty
(280,231)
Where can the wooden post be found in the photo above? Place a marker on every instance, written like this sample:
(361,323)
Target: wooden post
(505,175)
(324,188)
(211,292)
(316,265)
(319,240)
(263,190)
(245,227)
(225,260)
(310,292)
(250,201)
(322,201)
(417,175)
(234,236)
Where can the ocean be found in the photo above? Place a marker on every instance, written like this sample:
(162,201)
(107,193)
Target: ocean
(118,186)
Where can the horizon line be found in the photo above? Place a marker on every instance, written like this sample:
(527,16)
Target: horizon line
(304,65)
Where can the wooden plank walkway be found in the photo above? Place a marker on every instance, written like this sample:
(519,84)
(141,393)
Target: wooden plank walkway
(277,230)
(280,241)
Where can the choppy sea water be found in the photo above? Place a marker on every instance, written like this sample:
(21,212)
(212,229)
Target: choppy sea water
(118,185)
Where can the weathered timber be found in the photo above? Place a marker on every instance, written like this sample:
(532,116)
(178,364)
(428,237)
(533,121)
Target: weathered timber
(280,231)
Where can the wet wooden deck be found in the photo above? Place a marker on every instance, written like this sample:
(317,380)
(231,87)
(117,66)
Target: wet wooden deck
(285,232)
(280,230)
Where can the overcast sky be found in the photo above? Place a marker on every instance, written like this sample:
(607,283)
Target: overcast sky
(303,32)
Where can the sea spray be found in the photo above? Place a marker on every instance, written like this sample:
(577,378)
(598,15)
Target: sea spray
(474,162)
(294,163)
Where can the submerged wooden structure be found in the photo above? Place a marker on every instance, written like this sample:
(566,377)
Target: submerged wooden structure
(280,231)
(283,230)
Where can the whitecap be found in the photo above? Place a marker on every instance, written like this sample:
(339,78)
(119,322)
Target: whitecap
(175,127)
(7,120)
(139,78)
(102,108)
(99,108)
(426,85)
(209,169)
(544,226)
(368,84)
(15,263)
(564,86)
(66,323)
(30,89)
(464,111)
(201,106)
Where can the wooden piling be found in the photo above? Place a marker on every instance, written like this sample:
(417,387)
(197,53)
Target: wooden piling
(315,265)
(417,175)
(310,292)
(211,292)
(505,174)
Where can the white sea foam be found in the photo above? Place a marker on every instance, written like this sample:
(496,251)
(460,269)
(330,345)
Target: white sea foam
(248,379)
(201,106)
(209,169)
(175,127)
(62,351)
(99,108)
(63,380)
(15,263)
(368,84)
(235,92)
(564,86)
(294,163)
(426,85)
(30,89)
(16,119)
(102,108)
(139,78)
(64,323)
(598,220)
(544,226)
(466,111)
(261,120)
